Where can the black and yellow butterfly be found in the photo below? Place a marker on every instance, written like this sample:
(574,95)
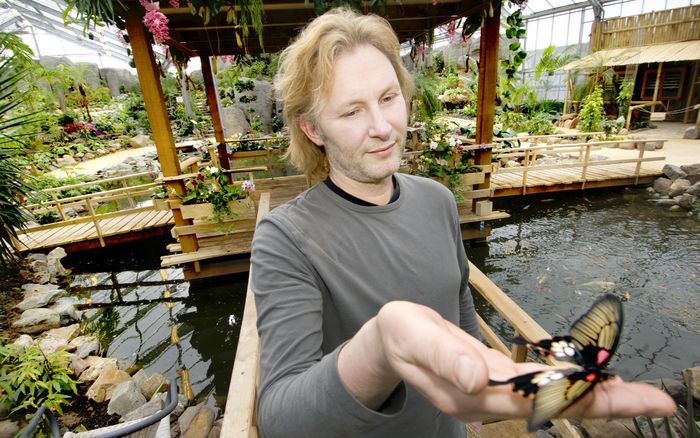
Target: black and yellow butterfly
(592,341)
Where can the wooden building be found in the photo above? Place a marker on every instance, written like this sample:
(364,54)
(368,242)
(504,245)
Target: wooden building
(660,52)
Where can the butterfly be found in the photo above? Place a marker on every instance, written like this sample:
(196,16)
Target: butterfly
(591,343)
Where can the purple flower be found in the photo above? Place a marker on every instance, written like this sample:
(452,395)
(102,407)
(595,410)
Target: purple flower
(248,186)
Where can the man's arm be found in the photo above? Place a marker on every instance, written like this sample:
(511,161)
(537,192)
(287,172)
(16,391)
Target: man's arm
(451,369)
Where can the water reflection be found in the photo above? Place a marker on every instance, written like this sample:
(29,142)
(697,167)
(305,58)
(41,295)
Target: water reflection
(555,256)
(151,317)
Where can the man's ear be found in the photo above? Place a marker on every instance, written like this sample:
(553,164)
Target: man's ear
(310,130)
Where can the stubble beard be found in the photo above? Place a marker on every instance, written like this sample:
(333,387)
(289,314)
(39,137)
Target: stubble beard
(353,167)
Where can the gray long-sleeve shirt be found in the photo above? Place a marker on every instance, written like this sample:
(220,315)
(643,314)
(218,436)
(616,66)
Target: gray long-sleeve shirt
(322,266)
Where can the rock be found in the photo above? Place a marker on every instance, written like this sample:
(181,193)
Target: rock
(78,365)
(8,428)
(675,207)
(649,146)
(694,189)
(150,385)
(215,431)
(673,172)
(691,133)
(629,145)
(692,380)
(139,141)
(512,163)
(55,268)
(663,186)
(23,341)
(691,169)
(37,299)
(66,308)
(34,287)
(125,398)
(65,160)
(567,123)
(95,366)
(694,179)
(666,202)
(145,410)
(574,122)
(41,277)
(234,121)
(84,345)
(67,333)
(36,256)
(196,421)
(50,345)
(624,131)
(685,200)
(38,266)
(105,384)
(37,320)
(596,287)
(678,187)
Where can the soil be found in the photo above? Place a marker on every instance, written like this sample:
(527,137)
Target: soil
(10,296)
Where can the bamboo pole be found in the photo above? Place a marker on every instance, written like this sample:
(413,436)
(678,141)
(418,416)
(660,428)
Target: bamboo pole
(95,221)
(584,170)
(656,85)
(149,80)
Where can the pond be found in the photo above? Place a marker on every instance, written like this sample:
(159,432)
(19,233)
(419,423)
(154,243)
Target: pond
(553,256)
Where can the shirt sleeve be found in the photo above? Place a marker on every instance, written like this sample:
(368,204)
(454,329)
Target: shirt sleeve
(301,393)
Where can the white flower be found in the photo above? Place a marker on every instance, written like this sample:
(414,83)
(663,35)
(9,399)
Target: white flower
(452,142)
(213,170)
(433,145)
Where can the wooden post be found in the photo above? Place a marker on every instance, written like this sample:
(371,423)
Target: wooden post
(58,205)
(656,85)
(526,163)
(213,103)
(691,93)
(584,170)
(157,114)
(639,162)
(488,78)
(518,352)
(95,221)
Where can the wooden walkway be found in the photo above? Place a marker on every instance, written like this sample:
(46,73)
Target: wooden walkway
(563,179)
(73,237)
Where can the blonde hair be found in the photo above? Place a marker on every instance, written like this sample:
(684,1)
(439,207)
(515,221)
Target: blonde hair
(306,75)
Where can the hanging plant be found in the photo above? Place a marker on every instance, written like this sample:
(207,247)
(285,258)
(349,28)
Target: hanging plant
(97,12)
(250,14)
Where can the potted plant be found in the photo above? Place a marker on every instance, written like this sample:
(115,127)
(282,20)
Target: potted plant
(160,198)
(210,195)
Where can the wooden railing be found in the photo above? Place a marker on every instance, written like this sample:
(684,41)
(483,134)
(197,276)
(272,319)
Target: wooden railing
(239,417)
(91,201)
(583,150)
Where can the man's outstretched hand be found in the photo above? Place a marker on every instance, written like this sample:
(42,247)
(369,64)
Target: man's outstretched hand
(410,342)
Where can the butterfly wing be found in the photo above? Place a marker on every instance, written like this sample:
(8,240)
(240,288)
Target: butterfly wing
(557,395)
(596,334)
(558,348)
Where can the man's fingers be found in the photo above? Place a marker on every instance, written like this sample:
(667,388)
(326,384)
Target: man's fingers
(622,399)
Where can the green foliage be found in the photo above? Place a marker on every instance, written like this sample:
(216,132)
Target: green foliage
(95,12)
(550,62)
(611,127)
(30,379)
(438,62)
(592,113)
(540,124)
(515,29)
(426,104)
(624,97)
(48,217)
(211,185)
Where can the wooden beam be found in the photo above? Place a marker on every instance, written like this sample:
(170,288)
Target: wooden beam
(488,78)
(149,79)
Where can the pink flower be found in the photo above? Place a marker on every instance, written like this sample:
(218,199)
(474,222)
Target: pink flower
(459,148)
(248,185)
(157,23)
(148,6)
(200,176)
(174,3)
(231,59)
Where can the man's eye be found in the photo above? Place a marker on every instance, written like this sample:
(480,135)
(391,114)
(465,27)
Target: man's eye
(350,113)
(388,98)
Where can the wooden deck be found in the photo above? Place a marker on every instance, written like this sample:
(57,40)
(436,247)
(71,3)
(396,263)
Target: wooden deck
(74,237)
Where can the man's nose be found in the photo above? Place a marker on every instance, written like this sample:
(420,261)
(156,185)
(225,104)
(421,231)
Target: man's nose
(379,124)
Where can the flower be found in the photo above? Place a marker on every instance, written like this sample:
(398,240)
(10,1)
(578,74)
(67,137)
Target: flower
(174,3)
(155,21)
(200,176)
(248,185)
(433,145)
(213,170)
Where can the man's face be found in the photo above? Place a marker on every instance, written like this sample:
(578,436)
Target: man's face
(363,120)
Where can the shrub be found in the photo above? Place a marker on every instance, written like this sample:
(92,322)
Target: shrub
(31,378)
(592,114)
(540,124)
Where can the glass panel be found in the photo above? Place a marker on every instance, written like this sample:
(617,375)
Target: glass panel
(652,5)
(544,33)
(631,8)
(671,4)
(586,35)
(612,11)
(574,28)
(531,32)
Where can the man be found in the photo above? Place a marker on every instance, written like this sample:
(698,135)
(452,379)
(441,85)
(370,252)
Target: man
(366,321)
